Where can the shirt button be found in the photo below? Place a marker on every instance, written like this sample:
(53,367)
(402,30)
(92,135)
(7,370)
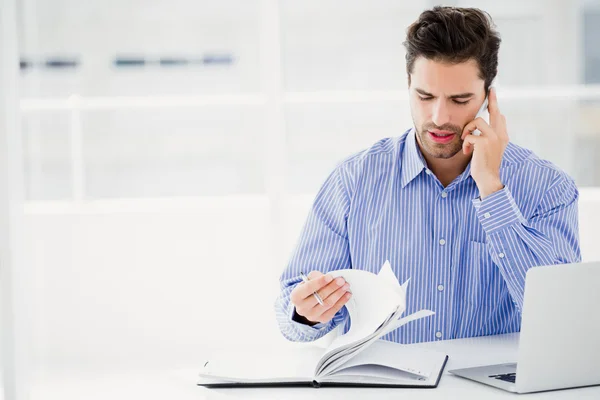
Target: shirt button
(428,172)
(440,287)
(438,335)
(487,215)
(501,255)
(444,195)
(442,242)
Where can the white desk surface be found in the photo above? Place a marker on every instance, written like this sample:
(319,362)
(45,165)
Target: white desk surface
(176,384)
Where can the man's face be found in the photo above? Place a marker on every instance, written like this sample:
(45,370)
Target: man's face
(443,99)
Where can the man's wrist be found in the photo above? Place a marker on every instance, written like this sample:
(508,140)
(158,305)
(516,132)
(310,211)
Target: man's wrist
(490,187)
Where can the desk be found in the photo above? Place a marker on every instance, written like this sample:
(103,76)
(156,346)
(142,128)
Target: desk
(178,384)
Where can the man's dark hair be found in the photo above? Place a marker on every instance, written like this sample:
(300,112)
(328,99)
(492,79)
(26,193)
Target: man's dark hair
(454,35)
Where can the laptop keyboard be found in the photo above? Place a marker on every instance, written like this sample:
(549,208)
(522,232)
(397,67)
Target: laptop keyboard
(506,377)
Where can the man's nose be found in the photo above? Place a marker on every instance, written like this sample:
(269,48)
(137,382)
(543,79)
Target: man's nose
(440,114)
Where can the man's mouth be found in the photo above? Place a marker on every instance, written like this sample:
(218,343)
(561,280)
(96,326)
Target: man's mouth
(441,136)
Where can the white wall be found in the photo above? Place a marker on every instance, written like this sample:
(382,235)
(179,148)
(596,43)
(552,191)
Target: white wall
(149,286)
(589,223)
(326,45)
(162,283)
(157,282)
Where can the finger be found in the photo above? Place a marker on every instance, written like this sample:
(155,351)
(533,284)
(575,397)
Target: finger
(307,307)
(306,304)
(327,315)
(314,274)
(502,130)
(493,107)
(306,289)
(334,285)
(299,293)
(333,298)
(467,149)
(477,123)
(469,143)
(314,309)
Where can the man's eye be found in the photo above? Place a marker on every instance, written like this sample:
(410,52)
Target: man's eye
(425,98)
(462,103)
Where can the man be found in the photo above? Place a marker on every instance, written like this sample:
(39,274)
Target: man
(463,216)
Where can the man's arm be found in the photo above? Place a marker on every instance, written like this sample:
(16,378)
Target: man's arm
(550,236)
(323,247)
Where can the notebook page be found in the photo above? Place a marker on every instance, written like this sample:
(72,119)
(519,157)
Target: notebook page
(340,356)
(334,359)
(375,299)
(262,365)
(414,360)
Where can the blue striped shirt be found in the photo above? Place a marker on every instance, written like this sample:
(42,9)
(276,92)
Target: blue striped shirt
(466,257)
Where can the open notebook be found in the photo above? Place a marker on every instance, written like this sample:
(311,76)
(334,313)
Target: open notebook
(356,358)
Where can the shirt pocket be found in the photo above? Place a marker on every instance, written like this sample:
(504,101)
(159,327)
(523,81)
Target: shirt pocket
(482,298)
(482,282)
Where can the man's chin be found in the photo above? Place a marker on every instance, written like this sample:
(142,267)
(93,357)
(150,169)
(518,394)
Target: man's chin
(438,150)
(446,156)
(444,151)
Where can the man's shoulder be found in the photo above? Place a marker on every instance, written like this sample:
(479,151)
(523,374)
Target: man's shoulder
(384,152)
(380,159)
(525,164)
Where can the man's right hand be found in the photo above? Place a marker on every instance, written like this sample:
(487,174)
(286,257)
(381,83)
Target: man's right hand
(334,293)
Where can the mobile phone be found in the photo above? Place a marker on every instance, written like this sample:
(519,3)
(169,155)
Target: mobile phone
(483,113)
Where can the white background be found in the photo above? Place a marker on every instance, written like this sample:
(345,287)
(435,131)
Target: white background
(161,203)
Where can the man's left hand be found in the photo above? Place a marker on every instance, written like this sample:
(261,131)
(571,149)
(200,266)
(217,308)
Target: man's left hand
(487,149)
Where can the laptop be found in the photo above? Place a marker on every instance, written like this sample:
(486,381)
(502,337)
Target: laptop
(559,344)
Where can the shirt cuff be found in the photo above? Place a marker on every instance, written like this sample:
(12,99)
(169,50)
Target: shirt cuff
(296,318)
(497,211)
(306,329)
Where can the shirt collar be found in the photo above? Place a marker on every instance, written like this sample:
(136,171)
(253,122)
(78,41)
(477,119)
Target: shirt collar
(412,159)
(413,162)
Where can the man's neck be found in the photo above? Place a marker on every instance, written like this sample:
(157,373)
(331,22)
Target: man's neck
(446,169)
